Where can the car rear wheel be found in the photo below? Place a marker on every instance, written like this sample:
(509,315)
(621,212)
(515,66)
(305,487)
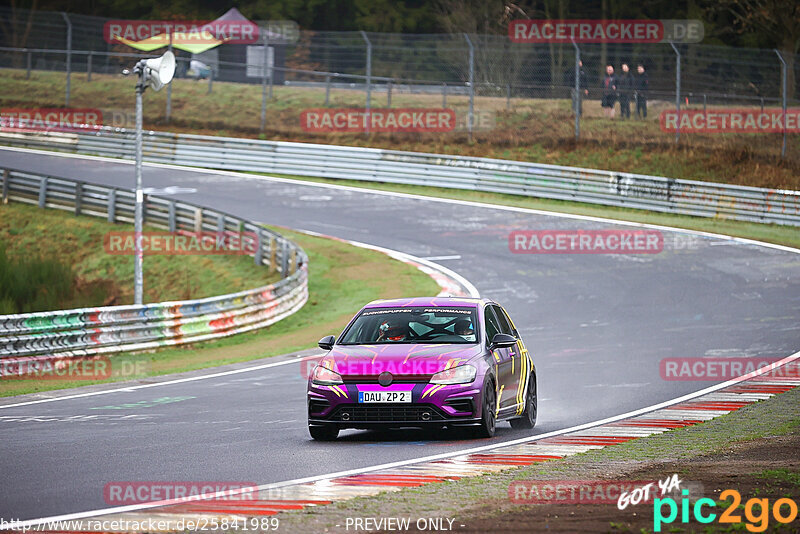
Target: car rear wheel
(323,432)
(528,418)
(488,415)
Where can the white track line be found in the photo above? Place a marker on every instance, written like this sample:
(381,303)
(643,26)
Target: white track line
(143,386)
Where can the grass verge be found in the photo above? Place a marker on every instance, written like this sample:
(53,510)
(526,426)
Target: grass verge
(342,278)
(27,231)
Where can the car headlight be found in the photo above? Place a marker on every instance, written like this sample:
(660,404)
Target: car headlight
(325,377)
(462,374)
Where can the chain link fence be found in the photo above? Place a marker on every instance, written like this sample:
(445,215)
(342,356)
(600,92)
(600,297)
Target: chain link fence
(500,90)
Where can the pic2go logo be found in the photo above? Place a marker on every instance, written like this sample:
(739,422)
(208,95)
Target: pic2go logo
(756,511)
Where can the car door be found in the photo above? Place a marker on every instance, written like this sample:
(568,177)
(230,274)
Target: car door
(517,375)
(501,358)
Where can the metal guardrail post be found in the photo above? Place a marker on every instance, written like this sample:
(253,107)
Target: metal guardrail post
(258,255)
(783,99)
(78,197)
(69,56)
(89,67)
(29,65)
(705,101)
(677,91)
(369,80)
(471,85)
(508,97)
(327,90)
(171,222)
(220,228)
(198,220)
(112,206)
(273,253)
(210,80)
(6,180)
(285,259)
(43,192)
(389,94)
(444,94)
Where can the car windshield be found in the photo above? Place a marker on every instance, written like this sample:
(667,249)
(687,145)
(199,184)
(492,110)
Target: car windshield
(412,325)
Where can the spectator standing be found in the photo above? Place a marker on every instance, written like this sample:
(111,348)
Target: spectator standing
(641,85)
(625,86)
(609,92)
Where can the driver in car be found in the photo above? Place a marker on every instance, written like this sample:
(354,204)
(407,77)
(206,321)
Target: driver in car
(463,328)
(392,331)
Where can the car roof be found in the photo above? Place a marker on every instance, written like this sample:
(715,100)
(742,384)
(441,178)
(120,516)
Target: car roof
(437,302)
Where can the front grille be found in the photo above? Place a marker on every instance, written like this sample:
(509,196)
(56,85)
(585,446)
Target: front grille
(387,413)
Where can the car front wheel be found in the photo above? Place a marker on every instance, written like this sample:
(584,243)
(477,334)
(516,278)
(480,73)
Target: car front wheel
(488,415)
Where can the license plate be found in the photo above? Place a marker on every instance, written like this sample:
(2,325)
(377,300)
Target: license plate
(384,396)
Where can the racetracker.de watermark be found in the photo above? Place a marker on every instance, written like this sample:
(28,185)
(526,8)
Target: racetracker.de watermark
(71,368)
(50,119)
(571,491)
(137,492)
(182,243)
(378,120)
(731,120)
(586,242)
(569,31)
(180,32)
(718,369)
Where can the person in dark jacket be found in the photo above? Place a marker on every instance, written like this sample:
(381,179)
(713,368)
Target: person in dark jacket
(609,92)
(625,90)
(641,84)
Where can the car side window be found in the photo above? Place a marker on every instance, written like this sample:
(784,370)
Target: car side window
(491,326)
(505,324)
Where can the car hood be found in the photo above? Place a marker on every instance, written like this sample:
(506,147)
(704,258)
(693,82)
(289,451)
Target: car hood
(403,361)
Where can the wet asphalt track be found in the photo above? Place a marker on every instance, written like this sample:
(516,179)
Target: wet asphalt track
(598,325)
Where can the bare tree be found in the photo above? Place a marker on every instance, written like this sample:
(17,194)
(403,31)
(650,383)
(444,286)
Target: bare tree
(778,18)
(16,31)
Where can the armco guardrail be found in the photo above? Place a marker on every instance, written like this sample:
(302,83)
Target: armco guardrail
(89,331)
(608,188)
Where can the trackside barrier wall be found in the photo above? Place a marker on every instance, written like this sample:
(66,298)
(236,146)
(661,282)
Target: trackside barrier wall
(89,331)
(655,193)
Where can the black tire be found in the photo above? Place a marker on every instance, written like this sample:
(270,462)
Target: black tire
(488,414)
(528,418)
(323,432)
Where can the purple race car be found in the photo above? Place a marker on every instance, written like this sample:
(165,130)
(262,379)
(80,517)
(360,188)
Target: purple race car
(421,362)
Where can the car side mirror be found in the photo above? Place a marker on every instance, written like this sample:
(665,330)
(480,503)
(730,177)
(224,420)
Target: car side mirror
(502,341)
(326,343)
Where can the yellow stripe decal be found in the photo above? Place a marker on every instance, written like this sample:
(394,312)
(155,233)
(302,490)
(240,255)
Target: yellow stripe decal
(499,396)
